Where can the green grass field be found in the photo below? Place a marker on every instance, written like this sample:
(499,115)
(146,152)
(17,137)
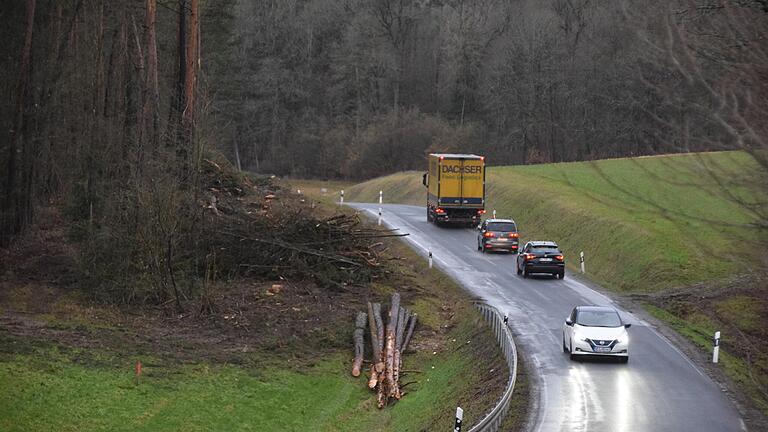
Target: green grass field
(50,391)
(644,224)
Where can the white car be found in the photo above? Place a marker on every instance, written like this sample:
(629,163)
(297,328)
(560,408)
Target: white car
(596,331)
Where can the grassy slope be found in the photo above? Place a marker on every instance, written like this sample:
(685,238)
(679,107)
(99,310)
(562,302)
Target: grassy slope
(648,226)
(48,385)
(644,224)
(49,390)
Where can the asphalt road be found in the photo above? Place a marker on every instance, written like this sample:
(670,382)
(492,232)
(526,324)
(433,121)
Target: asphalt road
(659,390)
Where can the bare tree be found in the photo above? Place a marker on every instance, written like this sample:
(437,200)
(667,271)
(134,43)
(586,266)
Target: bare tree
(706,62)
(17,205)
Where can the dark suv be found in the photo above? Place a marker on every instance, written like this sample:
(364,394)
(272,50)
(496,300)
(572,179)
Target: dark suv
(497,234)
(541,257)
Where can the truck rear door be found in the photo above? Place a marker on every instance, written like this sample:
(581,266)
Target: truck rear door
(472,182)
(450,182)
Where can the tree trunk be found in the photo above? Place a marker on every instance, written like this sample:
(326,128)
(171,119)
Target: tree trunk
(13,220)
(152,87)
(358,338)
(409,334)
(190,82)
(373,324)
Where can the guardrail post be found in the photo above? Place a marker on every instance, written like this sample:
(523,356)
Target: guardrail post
(716,349)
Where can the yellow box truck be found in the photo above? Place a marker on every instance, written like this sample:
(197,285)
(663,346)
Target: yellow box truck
(455,188)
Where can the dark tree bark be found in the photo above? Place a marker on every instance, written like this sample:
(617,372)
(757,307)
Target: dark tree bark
(152,87)
(14,212)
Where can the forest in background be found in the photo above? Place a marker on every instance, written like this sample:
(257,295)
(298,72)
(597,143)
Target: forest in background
(359,88)
(111,108)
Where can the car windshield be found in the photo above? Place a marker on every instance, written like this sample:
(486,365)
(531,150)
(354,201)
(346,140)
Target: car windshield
(502,226)
(593,318)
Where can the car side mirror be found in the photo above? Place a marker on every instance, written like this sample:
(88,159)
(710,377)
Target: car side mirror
(568,322)
(627,325)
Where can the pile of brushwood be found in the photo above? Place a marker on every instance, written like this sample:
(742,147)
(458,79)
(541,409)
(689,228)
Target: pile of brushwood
(259,229)
(167,242)
(388,343)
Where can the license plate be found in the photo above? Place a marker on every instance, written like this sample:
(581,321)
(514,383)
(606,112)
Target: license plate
(602,349)
(503,239)
(546,260)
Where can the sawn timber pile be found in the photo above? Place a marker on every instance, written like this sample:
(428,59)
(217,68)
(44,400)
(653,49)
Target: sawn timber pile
(388,343)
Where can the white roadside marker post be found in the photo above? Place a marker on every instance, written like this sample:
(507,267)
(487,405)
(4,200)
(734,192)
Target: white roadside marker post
(381,200)
(581,260)
(341,201)
(716,350)
(430,259)
(459,418)
(298,191)
(494,213)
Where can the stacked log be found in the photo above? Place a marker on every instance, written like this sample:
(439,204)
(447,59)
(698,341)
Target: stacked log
(388,345)
(358,338)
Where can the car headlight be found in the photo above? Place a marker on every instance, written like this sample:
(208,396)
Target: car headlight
(579,337)
(622,339)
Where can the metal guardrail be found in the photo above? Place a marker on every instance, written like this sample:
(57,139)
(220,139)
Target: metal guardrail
(492,421)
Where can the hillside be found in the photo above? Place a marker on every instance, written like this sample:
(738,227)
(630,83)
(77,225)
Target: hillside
(259,340)
(678,234)
(644,224)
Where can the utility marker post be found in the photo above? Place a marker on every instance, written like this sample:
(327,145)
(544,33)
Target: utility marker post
(430,259)
(381,200)
(341,201)
(581,260)
(459,418)
(716,350)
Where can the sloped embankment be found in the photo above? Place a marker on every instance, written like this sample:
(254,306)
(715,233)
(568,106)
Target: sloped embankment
(681,234)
